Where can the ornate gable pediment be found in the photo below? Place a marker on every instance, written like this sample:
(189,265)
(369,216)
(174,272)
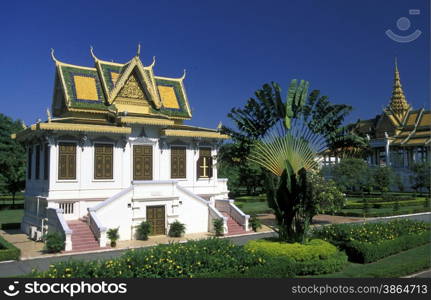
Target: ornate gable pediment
(135,83)
(132,89)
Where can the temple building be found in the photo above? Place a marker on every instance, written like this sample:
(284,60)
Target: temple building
(400,136)
(116,152)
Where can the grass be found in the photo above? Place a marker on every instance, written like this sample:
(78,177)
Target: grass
(11,216)
(256,207)
(398,265)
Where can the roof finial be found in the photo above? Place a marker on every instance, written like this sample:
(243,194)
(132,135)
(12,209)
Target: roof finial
(48,114)
(138,51)
(153,63)
(396,64)
(52,56)
(184,75)
(92,53)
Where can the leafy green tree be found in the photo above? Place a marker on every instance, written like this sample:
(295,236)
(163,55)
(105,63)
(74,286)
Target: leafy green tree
(352,175)
(421,178)
(12,157)
(383,178)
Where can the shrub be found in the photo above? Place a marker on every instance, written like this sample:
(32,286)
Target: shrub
(144,230)
(218,227)
(315,249)
(313,258)
(371,241)
(339,234)
(276,267)
(365,252)
(255,223)
(163,261)
(9,226)
(113,236)
(334,263)
(177,229)
(8,251)
(54,242)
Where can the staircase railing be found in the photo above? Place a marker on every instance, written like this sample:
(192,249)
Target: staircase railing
(213,212)
(97,228)
(57,223)
(228,206)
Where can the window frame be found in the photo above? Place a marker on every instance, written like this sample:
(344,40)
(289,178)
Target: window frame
(209,166)
(67,179)
(111,178)
(185,162)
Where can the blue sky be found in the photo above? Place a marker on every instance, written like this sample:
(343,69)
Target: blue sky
(229,48)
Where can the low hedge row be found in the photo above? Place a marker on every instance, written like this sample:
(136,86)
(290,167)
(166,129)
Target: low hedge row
(369,242)
(8,251)
(9,226)
(285,267)
(360,205)
(363,252)
(177,260)
(382,213)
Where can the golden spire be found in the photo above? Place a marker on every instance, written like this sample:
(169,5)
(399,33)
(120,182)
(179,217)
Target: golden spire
(398,104)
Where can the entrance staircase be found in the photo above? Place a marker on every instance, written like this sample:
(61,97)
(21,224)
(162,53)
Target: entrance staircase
(82,237)
(234,228)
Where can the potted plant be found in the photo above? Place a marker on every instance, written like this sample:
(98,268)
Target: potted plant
(177,229)
(218,227)
(113,236)
(255,223)
(144,230)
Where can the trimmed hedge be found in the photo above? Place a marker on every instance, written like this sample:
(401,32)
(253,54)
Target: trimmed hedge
(8,251)
(315,249)
(276,267)
(383,204)
(363,252)
(9,226)
(381,213)
(285,267)
(369,242)
(313,258)
(176,260)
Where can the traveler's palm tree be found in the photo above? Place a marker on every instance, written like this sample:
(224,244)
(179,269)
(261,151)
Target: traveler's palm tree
(289,151)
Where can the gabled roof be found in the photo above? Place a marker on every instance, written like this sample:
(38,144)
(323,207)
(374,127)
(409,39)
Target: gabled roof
(114,88)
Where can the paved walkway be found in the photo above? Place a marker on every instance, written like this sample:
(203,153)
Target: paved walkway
(23,267)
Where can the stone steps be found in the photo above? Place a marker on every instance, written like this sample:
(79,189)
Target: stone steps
(82,237)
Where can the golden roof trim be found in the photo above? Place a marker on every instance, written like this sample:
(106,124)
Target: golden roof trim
(145,121)
(193,133)
(83,127)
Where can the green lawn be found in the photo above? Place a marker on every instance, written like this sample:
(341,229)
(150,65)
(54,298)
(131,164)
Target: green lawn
(402,264)
(11,216)
(253,207)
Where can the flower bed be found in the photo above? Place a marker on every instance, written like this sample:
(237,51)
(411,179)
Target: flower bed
(369,242)
(8,251)
(163,261)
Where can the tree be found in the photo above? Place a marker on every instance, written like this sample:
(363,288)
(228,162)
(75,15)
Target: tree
(12,157)
(421,177)
(288,152)
(352,175)
(383,178)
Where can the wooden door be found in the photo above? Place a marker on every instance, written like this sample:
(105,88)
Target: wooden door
(156,217)
(142,162)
